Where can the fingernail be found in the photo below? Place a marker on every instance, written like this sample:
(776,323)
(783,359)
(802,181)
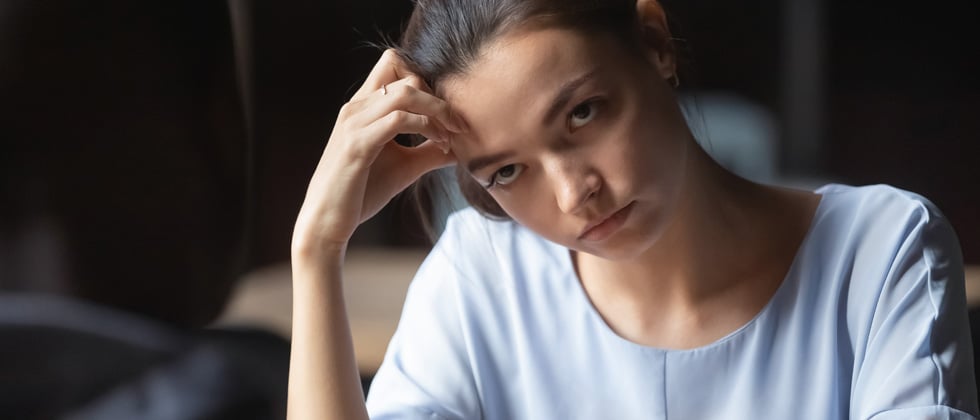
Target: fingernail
(452,126)
(457,124)
(441,143)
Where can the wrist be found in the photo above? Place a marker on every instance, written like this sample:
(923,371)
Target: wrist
(316,271)
(317,252)
(309,241)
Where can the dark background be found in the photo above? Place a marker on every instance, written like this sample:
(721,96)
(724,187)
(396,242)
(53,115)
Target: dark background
(148,145)
(901,91)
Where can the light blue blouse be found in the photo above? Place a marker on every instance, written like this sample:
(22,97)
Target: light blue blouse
(869,323)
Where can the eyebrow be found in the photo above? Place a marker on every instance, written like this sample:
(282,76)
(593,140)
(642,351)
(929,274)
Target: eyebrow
(565,94)
(482,162)
(560,102)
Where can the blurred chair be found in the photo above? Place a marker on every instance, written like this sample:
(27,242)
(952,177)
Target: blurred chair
(975,332)
(123,164)
(67,359)
(123,204)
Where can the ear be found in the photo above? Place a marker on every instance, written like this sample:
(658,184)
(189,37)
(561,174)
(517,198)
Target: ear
(656,39)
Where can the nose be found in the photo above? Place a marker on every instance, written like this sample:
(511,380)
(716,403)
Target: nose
(575,185)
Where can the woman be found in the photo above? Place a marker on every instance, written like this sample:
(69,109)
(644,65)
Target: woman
(636,278)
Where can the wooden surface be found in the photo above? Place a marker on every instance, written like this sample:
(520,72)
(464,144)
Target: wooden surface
(973,285)
(375,282)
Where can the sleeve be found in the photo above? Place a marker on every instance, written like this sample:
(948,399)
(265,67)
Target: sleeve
(426,372)
(918,360)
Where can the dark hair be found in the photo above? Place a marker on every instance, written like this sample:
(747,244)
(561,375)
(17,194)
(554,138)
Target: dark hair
(444,37)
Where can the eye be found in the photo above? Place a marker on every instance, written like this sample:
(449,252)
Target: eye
(505,175)
(581,115)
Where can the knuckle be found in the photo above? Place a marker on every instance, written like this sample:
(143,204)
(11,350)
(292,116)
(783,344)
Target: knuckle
(345,110)
(402,94)
(391,56)
(409,92)
(415,81)
(397,117)
(399,90)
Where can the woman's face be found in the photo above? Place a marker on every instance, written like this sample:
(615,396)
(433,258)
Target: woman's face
(577,137)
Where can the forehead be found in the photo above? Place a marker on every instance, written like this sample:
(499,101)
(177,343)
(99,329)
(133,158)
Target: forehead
(521,54)
(507,89)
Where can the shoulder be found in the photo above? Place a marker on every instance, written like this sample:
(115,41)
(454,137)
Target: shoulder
(899,273)
(476,293)
(478,249)
(878,219)
(479,268)
(474,229)
(485,274)
(882,202)
(884,247)
(880,226)
(871,244)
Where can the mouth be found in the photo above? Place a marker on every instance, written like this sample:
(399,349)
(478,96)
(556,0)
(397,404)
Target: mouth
(603,227)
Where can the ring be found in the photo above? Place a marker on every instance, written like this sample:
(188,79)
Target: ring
(384,89)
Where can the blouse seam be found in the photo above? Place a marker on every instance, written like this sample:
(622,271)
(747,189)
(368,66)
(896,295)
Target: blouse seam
(930,259)
(917,234)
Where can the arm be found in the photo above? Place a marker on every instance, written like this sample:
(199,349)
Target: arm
(323,376)
(360,170)
(917,362)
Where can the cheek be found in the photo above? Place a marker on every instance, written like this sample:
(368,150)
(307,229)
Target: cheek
(655,146)
(533,207)
(629,156)
(655,167)
(524,205)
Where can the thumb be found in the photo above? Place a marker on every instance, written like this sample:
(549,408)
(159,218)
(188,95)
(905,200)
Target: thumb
(427,157)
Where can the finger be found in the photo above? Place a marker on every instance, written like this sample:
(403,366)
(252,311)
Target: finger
(417,90)
(450,119)
(397,122)
(358,104)
(407,95)
(408,164)
(389,68)
(425,158)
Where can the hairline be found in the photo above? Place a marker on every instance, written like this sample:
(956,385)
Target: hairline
(517,27)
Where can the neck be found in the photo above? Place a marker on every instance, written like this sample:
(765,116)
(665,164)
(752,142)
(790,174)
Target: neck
(717,238)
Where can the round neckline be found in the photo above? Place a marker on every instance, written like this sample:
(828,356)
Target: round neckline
(569,266)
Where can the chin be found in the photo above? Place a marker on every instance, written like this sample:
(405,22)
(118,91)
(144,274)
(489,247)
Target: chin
(615,248)
(630,242)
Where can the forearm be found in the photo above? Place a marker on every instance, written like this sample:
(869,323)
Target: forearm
(360,170)
(324,382)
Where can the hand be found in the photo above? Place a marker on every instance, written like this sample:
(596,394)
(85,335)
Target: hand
(362,168)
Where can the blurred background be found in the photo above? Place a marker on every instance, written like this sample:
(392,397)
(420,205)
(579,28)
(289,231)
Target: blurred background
(154,156)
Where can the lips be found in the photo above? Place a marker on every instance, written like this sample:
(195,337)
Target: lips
(603,227)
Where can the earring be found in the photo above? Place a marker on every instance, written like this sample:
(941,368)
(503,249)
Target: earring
(674,80)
